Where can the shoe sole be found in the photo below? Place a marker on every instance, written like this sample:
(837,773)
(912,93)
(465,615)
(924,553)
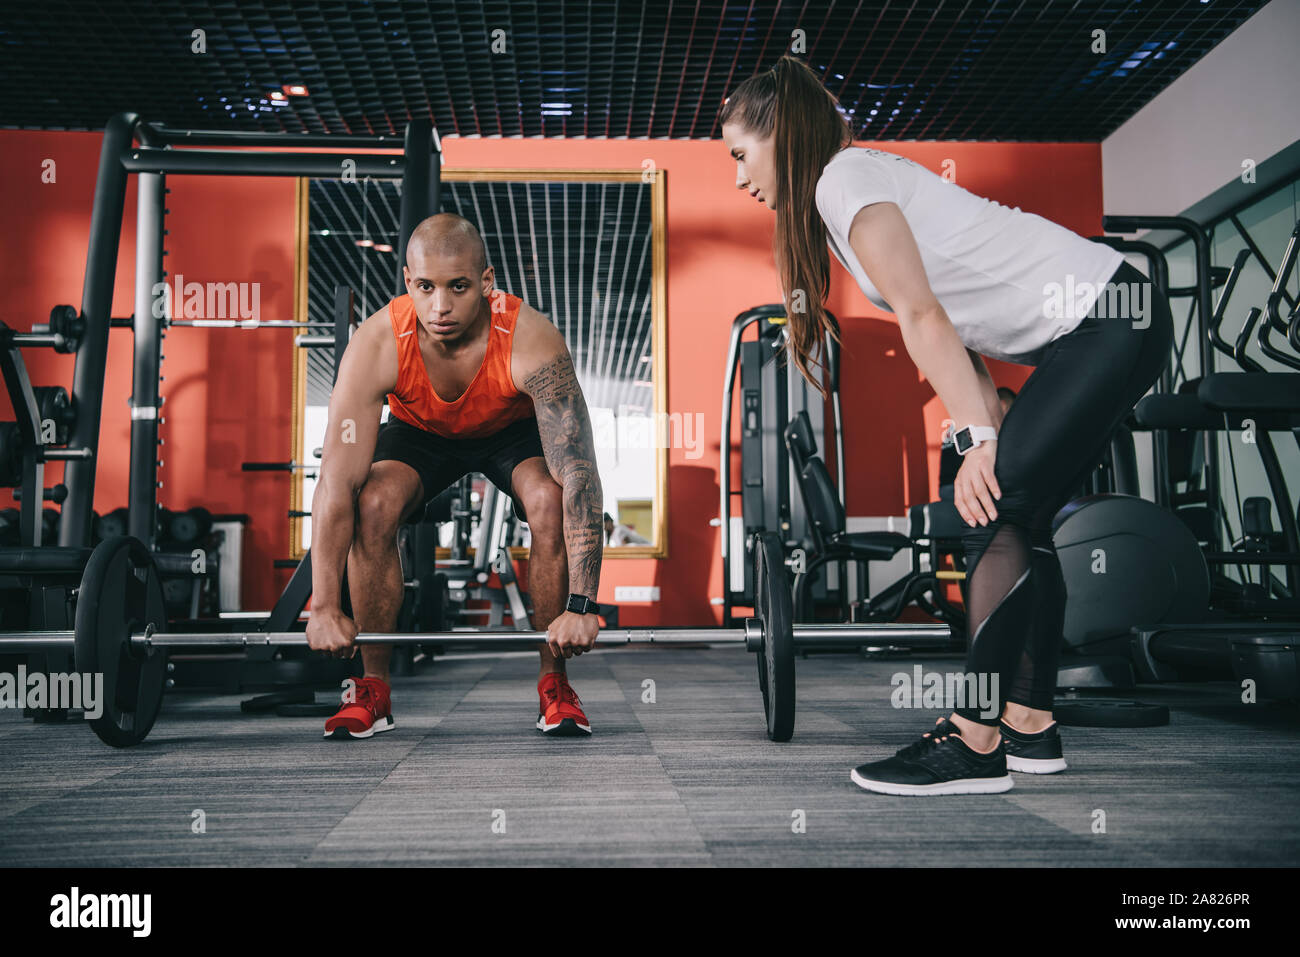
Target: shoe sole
(959,786)
(383,724)
(567,728)
(1036,765)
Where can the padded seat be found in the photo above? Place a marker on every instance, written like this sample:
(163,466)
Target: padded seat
(936,520)
(832,542)
(1181,411)
(1251,392)
(872,546)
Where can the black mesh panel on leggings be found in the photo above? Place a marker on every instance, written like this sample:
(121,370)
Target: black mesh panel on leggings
(999,597)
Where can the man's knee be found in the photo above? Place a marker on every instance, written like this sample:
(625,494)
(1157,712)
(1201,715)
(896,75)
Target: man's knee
(544,503)
(379,512)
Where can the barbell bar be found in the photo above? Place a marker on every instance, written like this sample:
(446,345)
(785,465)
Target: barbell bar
(120,632)
(752,635)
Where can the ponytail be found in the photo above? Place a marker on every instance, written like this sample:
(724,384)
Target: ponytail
(789,104)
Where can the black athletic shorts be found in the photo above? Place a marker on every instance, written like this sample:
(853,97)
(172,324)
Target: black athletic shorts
(442,462)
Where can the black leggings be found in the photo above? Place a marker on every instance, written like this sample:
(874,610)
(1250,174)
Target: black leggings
(1055,432)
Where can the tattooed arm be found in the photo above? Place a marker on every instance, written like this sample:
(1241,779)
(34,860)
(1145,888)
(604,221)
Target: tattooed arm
(542,368)
(570,452)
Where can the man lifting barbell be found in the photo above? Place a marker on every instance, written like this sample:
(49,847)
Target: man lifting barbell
(516,413)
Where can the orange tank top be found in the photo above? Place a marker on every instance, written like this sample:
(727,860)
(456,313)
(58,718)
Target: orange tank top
(489,404)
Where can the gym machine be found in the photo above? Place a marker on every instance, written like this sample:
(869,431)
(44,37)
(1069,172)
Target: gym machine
(1151,610)
(772,393)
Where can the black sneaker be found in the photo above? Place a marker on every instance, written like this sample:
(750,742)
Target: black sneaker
(940,763)
(1037,753)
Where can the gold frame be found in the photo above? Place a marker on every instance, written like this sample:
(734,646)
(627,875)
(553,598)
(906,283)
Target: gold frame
(656,178)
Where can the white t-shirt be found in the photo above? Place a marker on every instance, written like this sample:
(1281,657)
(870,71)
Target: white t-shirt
(1010,281)
(622,535)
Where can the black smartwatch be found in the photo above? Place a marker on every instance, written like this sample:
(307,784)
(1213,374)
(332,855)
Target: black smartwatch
(581,605)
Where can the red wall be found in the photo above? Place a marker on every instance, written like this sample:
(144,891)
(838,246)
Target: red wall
(228,392)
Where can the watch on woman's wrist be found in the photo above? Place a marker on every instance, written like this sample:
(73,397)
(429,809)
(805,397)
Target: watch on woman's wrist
(972,437)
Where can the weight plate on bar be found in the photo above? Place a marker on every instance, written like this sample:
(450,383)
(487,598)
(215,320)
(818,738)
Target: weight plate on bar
(760,599)
(776,661)
(121,594)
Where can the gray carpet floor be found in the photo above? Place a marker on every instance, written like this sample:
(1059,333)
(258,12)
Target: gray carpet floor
(688,780)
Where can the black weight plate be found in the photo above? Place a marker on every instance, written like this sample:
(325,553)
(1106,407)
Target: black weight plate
(1109,713)
(120,594)
(307,709)
(760,602)
(778,635)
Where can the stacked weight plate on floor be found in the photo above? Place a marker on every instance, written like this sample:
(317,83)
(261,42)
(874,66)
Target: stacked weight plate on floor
(773,605)
(120,594)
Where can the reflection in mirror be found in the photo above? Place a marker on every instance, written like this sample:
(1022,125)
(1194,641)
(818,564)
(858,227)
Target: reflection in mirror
(583,248)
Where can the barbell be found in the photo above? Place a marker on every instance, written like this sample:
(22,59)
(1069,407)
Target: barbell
(120,632)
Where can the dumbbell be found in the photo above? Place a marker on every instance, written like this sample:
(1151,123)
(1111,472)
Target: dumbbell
(190,526)
(10,530)
(11,455)
(11,527)
(50,526)
(111,525)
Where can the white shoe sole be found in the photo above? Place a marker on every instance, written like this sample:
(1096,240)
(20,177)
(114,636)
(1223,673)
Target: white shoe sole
(1036,765)
(959,786)
(383,724)
(545,728)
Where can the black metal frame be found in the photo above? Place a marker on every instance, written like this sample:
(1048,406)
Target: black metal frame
(1158,272)
(419,166)
(1202,296)
(765,486)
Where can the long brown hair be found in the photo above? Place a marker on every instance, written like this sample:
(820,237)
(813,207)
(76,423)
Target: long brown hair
(789,103)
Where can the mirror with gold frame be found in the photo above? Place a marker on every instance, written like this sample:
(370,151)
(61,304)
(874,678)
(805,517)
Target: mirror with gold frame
(584,247)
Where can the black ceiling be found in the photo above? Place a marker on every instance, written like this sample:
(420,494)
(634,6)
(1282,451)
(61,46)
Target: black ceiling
(965,70)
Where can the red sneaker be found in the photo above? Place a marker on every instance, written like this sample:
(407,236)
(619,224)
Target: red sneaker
(560,711)
(371,712)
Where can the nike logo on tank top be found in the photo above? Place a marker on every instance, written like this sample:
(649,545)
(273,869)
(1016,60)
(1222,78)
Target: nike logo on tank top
(489,404)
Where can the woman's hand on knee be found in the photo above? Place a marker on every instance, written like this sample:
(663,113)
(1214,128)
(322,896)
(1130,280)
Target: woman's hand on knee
(976,486)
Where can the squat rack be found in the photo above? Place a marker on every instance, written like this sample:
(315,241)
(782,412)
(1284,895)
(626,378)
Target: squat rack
(418,165)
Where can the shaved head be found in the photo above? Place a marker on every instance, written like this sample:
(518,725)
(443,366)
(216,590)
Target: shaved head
(447,235)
